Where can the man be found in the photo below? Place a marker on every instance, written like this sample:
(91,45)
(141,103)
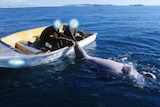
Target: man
(54,40)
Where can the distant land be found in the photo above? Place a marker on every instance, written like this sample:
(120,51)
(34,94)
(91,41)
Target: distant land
(136,5)
(16,6)
(91,5)
(20,6)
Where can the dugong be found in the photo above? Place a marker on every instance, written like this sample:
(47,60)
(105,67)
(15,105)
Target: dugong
(109,69)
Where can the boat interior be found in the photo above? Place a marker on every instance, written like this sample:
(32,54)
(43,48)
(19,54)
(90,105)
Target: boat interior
(23,41)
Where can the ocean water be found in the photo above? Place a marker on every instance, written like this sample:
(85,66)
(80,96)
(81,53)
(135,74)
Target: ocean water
(129,34)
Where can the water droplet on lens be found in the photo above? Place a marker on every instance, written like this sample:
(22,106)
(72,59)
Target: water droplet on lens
(57,24)
(74,23)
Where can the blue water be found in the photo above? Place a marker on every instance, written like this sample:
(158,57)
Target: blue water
(129,34)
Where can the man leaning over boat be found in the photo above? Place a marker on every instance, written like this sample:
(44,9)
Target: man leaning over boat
(53,39)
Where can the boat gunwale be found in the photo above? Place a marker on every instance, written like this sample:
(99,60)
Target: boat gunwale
(25,55)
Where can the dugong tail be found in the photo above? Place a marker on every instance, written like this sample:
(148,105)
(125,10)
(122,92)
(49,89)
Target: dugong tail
(79,52)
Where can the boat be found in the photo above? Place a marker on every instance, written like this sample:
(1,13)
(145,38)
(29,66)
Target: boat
(16,51)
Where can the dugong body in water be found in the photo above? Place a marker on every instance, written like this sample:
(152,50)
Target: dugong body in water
(109,69)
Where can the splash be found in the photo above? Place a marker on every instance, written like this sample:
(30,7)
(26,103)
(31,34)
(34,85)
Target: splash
(133,75)
(138,80)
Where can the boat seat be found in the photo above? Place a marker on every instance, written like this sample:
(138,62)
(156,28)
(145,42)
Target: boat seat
(27,47)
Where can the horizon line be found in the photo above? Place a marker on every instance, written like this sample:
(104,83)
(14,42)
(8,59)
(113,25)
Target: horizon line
(19,6)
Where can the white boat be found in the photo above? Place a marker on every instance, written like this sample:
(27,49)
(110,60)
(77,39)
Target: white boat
(26,55)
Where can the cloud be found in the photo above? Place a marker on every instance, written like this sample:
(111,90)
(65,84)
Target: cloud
(13,1)
(16,2)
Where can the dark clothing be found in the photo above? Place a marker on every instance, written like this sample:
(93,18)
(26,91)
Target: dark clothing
(45,35)
(55,42)
(69,32)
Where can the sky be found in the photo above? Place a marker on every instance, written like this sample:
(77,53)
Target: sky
(63,2)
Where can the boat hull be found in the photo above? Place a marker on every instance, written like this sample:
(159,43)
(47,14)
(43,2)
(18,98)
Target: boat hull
(10,58)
